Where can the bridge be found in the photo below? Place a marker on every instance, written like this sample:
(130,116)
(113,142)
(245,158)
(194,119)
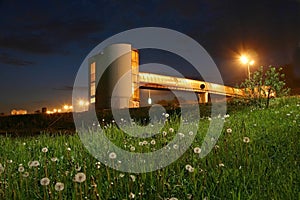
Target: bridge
(150,80)
(128,91)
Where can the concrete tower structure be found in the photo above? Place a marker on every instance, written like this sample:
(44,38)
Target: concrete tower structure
(116,72)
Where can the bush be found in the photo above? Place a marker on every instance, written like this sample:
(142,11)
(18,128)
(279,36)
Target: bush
(263,85)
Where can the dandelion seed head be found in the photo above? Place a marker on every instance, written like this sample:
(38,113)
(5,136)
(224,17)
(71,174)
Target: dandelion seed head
(153,142)
(45,150)
(21,169)
(229,130)
(181,135)
(164,133)
(77,168)
(45,181)
(80,177)
(59,186)
(132,148)
(171,130)
(175,146)
(246,139)
(188,167)
(132,177)
(191,170)
(112,155)
(131,195)
(34,163)
(197,150)
(26,174)
(54,159)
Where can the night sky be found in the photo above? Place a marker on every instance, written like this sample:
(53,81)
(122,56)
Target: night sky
(42,44)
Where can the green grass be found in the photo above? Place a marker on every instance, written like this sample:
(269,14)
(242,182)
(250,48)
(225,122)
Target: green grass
(265,168)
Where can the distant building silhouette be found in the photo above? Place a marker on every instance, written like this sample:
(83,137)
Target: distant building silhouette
(44,110)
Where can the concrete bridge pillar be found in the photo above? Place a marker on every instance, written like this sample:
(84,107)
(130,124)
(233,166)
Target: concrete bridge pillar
(203,97)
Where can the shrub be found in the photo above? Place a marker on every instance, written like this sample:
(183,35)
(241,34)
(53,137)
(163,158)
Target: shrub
(263,85)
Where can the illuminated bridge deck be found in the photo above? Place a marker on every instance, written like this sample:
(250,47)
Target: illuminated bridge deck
(149,80)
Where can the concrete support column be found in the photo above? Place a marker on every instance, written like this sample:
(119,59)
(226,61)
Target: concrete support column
(203,97)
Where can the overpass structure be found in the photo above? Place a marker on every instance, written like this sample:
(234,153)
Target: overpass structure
(120,83)
(202,88)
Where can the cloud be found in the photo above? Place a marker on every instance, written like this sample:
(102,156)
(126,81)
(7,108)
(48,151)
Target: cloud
(9,60)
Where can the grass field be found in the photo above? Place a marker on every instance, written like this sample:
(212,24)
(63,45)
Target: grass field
(256,157)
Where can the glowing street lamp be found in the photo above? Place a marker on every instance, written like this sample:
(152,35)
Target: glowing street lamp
(245,60)
(149,99)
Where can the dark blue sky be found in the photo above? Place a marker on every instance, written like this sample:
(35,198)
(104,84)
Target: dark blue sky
(43,43)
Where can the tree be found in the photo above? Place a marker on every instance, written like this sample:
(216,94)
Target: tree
(265,84)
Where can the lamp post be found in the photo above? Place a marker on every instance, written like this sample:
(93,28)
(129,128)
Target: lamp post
(245,60)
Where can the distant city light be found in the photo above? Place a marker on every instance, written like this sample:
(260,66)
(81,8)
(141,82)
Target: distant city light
(18,112)
(66,107)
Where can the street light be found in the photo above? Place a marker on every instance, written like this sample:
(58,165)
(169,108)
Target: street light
(149,98)
(245,60)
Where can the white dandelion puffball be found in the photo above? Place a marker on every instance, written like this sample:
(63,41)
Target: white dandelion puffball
(131,195)
(197,150)
(21,169)
(229,130)
(80,177)
(45,149)
(112,155)
(246,140)
(45,181)
(59,186)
